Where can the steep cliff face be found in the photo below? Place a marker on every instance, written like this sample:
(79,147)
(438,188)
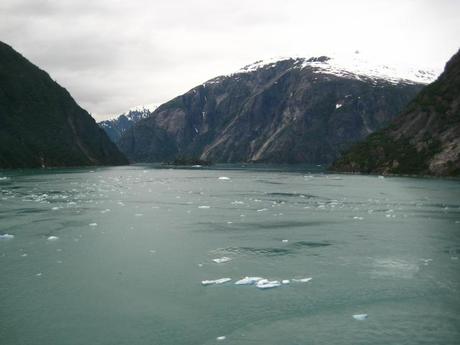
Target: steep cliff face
(424,139)
(285,111)
(40,123)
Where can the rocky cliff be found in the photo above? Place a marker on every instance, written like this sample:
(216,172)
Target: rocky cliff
(293,110)
(424,139)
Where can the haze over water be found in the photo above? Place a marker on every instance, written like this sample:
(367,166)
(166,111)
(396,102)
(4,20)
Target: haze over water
(132,245)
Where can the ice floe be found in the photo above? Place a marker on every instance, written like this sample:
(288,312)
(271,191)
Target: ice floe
(248,280)
(204,207)
(53,238)
(302,280)
(6,237)
(222,337)
(224,178)
(216,281)
(285,281)
(221,260)
(360,317)
(92,224)
(267,284)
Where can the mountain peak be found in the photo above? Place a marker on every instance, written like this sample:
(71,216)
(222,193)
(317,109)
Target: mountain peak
(353,66)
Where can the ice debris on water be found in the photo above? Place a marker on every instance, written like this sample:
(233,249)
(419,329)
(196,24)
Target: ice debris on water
(53,238)
(222,337)
(267,284)
(6,237)
(360,317)
(204,207)
(285,241)
(285,281)
(216,281)
(221,260)
(92,224)
(248,281)
(302,280)
(224,178)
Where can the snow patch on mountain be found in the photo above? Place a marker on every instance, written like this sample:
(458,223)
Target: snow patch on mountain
(354,66)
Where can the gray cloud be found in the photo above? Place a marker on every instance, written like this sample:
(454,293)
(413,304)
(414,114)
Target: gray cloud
(113,54)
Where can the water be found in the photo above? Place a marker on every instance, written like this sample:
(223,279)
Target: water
(133,245)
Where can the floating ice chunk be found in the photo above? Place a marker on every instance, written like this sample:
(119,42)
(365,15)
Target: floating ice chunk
(221,260)
(216,281)
(285,241)
(267,284)
(302,280)
(196,166)
(4,178)
(338,106)
(236,202)
(24,255)
(224,178)
(262,210)
(360,317)
(6,237)
(39,274)
(53,238)
(285,281)
(92,224)
(248,281)
(204,207)
(358,218)
(55,208)
(222,337)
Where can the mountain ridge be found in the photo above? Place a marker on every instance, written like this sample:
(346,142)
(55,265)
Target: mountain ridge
(280,112)
(41,125)
(424,139)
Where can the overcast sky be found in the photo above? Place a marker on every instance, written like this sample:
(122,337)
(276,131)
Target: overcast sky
(115,54)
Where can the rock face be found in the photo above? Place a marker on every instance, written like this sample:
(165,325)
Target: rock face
(40,123)
(424,139)
(285,111)
(116,127)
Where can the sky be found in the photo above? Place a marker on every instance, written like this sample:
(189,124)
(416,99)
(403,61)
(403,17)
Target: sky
(113,55)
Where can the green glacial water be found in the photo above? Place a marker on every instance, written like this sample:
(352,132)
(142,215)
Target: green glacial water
(117,256)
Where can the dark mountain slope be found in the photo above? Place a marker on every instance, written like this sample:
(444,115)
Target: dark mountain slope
(424,139)
(288,111)
(41,124)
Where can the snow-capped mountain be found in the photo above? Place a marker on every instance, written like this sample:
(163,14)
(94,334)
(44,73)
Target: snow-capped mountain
(293,110)
(353,66)
(116,127)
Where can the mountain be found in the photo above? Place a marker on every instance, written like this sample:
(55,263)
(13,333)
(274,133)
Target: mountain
(292,110)
(424,139)
(41,124)
(116,127)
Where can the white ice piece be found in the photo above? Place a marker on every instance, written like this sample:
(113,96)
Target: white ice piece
(221,260)
(53,238)
(6,237)
(360,317)
(248,281)
(267,284)
(93,224)
(302,280)
(216,281)
(204,207)
(224,178)
(285,281)
(222,337)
